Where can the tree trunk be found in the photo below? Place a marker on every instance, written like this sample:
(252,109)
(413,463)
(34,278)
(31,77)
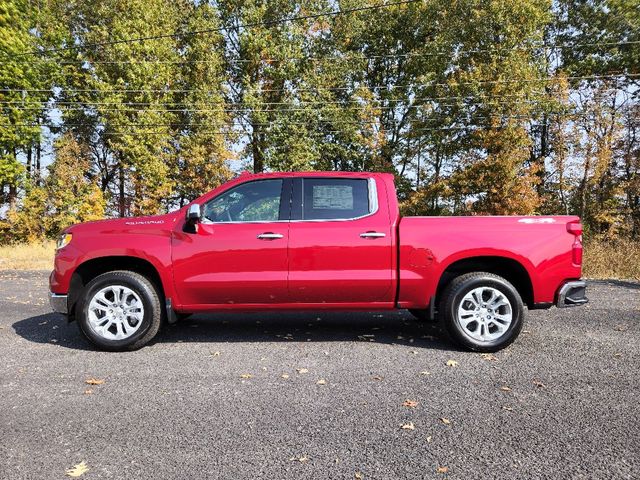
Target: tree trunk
(258,158)
(121,202)
(38,161)
(29,158)
(13,194)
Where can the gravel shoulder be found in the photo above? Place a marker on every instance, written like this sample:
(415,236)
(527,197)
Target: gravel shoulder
(227,396)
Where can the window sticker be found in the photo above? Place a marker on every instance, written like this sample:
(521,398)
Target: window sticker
(333,197)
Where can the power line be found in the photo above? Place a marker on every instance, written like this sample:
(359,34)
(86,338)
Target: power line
(278,110)
(53,103)
(219,132)
(219,29)
(356,57)
(352,87)
(311,122)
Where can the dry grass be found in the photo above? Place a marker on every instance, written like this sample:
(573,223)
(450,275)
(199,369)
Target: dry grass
(618,259)
(34,256)
(614,259)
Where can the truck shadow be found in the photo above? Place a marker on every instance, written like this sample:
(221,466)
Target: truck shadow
(617,283)
(397,327)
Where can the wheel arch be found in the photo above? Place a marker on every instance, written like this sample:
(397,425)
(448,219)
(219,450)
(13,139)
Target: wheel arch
(90,269)
(508,268)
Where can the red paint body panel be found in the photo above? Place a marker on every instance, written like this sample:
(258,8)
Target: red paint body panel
(146,238)
(322,264)
(329,262)
(543,249)
(228,264)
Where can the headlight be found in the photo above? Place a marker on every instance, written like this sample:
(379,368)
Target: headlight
(63,240)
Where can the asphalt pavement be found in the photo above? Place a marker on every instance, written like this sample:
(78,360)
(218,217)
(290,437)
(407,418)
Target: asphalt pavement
(321,395)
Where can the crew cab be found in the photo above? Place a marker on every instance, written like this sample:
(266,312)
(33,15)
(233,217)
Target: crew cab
(314,241)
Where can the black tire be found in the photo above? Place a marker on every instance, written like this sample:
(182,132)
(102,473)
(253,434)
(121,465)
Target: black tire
(453,296)
(421,315)
(152,317)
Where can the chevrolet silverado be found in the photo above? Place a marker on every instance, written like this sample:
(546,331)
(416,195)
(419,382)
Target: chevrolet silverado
(314,241)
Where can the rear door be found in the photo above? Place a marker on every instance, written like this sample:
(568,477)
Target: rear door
(340,242)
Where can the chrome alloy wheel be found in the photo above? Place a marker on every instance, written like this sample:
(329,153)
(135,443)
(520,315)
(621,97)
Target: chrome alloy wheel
(484,314)
(115,312)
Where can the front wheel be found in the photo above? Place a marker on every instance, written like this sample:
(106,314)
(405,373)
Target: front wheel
(119,310)
(482,311)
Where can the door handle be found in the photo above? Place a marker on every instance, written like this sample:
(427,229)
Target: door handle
(373,235)
(269,236)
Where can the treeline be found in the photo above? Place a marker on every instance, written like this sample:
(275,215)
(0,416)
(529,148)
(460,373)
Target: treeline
(477,106)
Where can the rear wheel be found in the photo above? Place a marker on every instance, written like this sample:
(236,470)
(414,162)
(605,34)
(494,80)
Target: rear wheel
(482,311)
(119,311)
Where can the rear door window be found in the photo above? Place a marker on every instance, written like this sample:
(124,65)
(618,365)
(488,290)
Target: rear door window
(335,198)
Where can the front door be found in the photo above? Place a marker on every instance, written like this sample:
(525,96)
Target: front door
(239,253)
(340,242)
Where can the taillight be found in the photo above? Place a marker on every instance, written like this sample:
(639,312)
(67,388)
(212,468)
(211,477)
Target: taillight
(575,228)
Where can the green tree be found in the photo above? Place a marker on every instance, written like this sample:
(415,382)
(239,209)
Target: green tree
(73,195)
(23,95)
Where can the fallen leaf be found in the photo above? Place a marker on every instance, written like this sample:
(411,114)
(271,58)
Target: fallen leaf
(358,476)
(415,352)
(539,384)
(246,375)
(507,408)
(302,370)
(617,354)
(442,469)
(366,338)
(302,459)
(88,391)
(505,389)
(94,381)
(620,328)
(452,363)
(322,381)
(285,375)
(408,426)
(410,403)
(429,439)
(43,323)
(425,372)
(77,470)
(399,337)
(489,357)
(215,354)
(446,421)
(377,377)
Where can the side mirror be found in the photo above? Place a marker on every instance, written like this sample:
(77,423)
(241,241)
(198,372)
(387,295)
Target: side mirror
(192,218)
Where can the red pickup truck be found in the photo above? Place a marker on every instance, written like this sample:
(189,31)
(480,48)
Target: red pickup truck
(314,241)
